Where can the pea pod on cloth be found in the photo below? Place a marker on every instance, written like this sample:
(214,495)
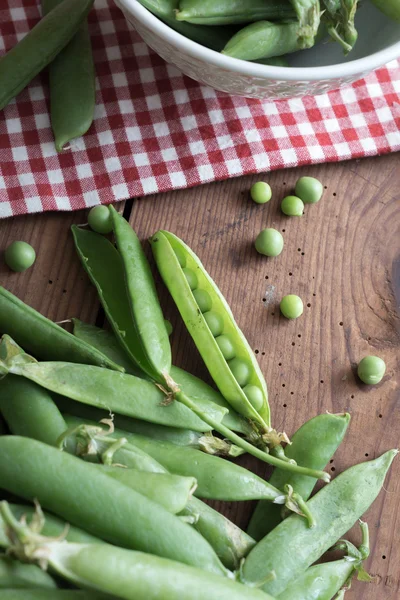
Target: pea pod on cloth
(210,37)
(43,338)
(14,574)
(105,341)
(313,445)
(72,85)
(325,580)
(226,12)
(39,47)
(290,548)
(264,39)
(104,507)
(127,574)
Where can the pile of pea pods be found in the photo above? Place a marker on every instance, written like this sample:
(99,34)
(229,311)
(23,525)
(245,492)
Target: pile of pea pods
(108,451)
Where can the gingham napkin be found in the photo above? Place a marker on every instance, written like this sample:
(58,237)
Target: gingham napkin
(157,130)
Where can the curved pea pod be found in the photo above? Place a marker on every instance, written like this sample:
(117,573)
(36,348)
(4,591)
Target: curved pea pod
(313,445)
(29,410)
(52,595)
(106,343)
(210,37)
(152,352)
(52,526)
(229,542)
(263,39)
(170,491)
(127,574)
(65,485)
(72,85)
(325,580)
(391,8)
(217,479)
(43,338)
(292,547)
(167,249)
(39,47)
(209,12)
(125,394)
(14,574)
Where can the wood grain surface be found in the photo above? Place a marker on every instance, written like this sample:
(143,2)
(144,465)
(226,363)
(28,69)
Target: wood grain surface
(342,257)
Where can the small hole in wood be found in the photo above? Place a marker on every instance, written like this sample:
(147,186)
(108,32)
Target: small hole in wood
(299,335)
(262,353)
(334,194)
(284,183)
(264,299)
(331,461)
(273,314)
(291,393)
(298,249)
(325,187)
(369,339)
(283,384)
(50,281)
(283,230)
(366,454)
(314,295)
(380,416)
(322,381)
(302,253)
(384,557)
(290,273)
(266,277)
(279,364)
(308,304)
(284,405)
(64,291)
(341,323)
(293,344)
(333,469)
(352,396)
(256,351)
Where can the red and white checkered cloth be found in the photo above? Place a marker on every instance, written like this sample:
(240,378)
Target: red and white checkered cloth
(156,130)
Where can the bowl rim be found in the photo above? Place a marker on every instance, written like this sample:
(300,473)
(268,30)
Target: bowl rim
(196,50)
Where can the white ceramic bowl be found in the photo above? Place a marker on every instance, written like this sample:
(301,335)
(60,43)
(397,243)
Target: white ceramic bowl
(313,71)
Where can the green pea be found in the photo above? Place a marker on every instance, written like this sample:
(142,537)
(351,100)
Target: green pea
(215,322)
(226,346)
(99,219)
(180,255)
(19,256)
(292,206)
(309,189)
(254,396)
(371,369)
(291,306)
(168,326)
(240,370)
(261,192)
(191,278)
(203,299)
(269,242)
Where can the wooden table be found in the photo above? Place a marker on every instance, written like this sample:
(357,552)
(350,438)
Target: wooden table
(342,258)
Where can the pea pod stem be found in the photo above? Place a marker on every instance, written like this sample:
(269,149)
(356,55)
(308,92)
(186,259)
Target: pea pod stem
(235,439)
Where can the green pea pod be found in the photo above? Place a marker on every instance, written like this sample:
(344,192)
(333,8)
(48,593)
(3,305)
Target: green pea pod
(53,595)
(170,491)
(211,37)
(72,85)
(52,526)
(125,394)
(106,343)
(153,355)
(274,61)
(264,39)
(43,338)
(166,249)
(209,12)
(339,20)
(390,8)
(217,479)
(313,445)
(229,542)
(39,47)
(14,574)
(130,575)
(309,17)
(88,498)
(290,548)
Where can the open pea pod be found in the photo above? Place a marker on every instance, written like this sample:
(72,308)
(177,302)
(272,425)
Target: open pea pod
(106,269)
(212,326)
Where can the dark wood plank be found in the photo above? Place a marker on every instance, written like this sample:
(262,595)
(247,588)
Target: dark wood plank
(340,258)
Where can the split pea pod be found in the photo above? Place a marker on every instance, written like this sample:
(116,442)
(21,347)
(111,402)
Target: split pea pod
(210,37)
(217,478)
(114,512)
(323,581)
(209,12)
(131,575)
(51,526)
(309,16)
(14,574)
(105,342)
(290,548)
(313,445)
(39,47)
(43,338)
(263,39)
(72,85)
(124,394)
